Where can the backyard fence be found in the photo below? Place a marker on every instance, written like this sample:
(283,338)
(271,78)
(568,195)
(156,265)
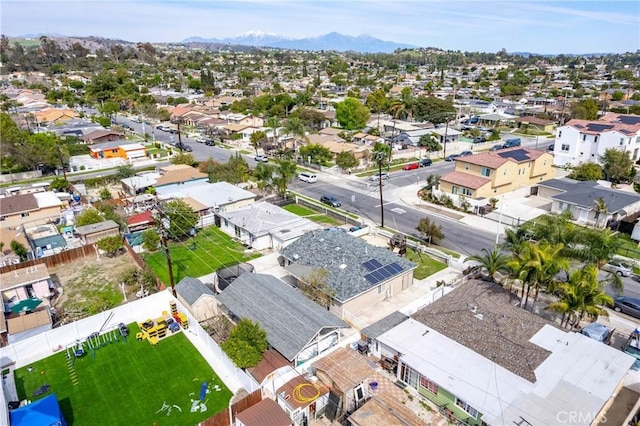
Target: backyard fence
(61,258)
(335,214)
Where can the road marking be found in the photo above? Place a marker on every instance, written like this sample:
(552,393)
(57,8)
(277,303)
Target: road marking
(398,210)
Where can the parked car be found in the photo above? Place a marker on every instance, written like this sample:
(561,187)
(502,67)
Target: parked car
(209,142)
(411,166)
(330,200)
(183,146)
(136,119)
(627,305)
(618,267)
(451,157)
(466,127)
(495,148)
(261,158)
(172,131)
(512,142)
(425,162)
(550,147)
(466,153)
(201,140)
(378,176)
(479,139)
(308,177)
(126,126)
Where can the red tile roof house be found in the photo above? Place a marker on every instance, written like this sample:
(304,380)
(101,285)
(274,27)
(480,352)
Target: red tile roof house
(140,222)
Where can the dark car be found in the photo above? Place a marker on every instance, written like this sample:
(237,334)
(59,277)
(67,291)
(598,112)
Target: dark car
(411,166)
(182,146)
(451,157)
(550,147)
(495,148)
(425,162)
(627,305)
(479,139)
(173,131)
(466,153)
(209,142)
(331,201)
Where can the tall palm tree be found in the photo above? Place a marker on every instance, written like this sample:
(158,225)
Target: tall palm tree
(263,173)
(273,123)
(284,172)
(514,239)
(493,261)
(601,208)
(381,155)
(294,126)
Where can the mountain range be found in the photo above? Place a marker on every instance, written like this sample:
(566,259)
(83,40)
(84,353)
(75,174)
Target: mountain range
(331,41)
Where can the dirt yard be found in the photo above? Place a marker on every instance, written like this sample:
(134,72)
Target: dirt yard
(92,285)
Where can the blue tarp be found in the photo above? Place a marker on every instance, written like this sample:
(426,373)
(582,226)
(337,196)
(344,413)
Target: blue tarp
(43,412)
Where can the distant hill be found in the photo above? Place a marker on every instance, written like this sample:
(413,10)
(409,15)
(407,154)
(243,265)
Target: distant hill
(332,41)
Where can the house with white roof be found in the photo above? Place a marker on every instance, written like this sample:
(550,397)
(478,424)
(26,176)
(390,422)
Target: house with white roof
(485,361)
(582,141)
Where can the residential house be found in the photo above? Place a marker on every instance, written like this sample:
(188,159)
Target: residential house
(336,145)
(91,234)
(54,116)
(412,137)
(140,183)
(264,226)
(484,360)
(140,222)
(265,412)
(101,136)
(359,274)
(23,326)
(197,298)
(24,283)
(366,139)
(118,149)
(178,175)
(536,123)
(304,399)
(18,210)
(481,176)
(582,141)
(296,327)
(370,334)
(581,199)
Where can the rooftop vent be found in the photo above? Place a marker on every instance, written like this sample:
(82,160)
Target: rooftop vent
(342,266)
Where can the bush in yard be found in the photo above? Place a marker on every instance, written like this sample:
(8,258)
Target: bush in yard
(150,240)
(246,344)
(110,244)
(19,250)
(105,194)
(89,217)
(182,219)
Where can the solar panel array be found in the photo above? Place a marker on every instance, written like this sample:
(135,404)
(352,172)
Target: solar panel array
(517,154)
(597,127)
(372,265)
(383,273)
(629,119)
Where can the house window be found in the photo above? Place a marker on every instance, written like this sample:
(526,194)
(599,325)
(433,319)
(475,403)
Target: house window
(411,377)
(544,163)
(454,190)
(485,171)
(584,138)
(505,172)
(466,166)
(466,407)
(381,289)
(595,139)
(237,230)
(564,147)
(429,385)
(466,191)
(621,141)
(581,154)
(24,214)
(560,134)
(114,151)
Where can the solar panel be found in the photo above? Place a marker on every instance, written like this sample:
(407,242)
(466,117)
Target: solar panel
(597,127)
(385,272)
(517,155)
(395,267)
(371,279)
(629,119)
(372,265)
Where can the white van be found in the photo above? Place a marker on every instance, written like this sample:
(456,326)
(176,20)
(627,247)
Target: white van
(308,177)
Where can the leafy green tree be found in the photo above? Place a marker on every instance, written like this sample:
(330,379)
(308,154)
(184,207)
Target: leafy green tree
(617,95)
(183,158)
(314,286)
(585,109)
(182,219)
(431,231)
(89,217)
(105,194)
(246,344)
(19,250)
(111,245)
(59,185)
(617,165)
(429,143)
(318,153)
(587,171)
(433,109)
(150,240)
(126,171)
(351,114)
(493,261)
(346,160)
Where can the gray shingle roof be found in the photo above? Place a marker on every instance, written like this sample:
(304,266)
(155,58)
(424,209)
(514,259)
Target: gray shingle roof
(585,194)
(342,255)
(380,327)
(96,227)
(290,319)
(190,289)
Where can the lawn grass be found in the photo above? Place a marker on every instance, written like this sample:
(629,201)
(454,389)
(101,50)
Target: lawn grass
(212,249)
(127,383)
(426,265)
(628,248)
(311,215)
(324,206)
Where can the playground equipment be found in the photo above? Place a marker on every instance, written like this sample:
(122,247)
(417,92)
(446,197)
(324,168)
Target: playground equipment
(155,330)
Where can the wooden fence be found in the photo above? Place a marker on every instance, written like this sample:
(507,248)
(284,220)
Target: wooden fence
(61,258)
(142,264)
(228,416)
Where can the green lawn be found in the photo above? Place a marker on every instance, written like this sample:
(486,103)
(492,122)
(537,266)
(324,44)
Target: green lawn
(128,383)
(212,249)
(426,265)
(312,215)
(629,247)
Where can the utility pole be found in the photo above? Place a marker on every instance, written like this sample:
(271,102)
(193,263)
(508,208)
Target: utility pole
(179,137)
(167,253)
(380,189)
(64,172)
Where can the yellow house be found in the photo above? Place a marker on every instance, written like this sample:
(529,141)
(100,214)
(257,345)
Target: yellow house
(54,115)
(493,173)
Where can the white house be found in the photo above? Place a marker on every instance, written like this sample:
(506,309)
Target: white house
(581,141)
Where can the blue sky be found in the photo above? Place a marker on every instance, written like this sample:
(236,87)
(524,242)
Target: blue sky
(516,25)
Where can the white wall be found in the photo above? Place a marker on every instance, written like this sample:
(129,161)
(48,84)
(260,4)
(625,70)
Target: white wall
(583,148)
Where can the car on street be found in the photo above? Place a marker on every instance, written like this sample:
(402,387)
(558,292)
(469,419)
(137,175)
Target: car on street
(627,305)
(411,166)
(466,153)
(618,267)
(204,141)
(495,148)
(183,146)
(136,119)
(466,127)
(479,139)
(210,142)
(451,157)
(172,131)
(330,200)
(426,162)
(378,176)
(550,147)
(261,158)
(126,126)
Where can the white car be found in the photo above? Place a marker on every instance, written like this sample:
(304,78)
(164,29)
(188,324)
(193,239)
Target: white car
(619,268)
(261,158)
(378,176)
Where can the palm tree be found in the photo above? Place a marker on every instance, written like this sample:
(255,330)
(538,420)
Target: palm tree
(582,294)
(285,171)
(514,239)
(381,155)
(257,139)
(293,126)
(493,261)
(273,123)
(601,209)
(263,173)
